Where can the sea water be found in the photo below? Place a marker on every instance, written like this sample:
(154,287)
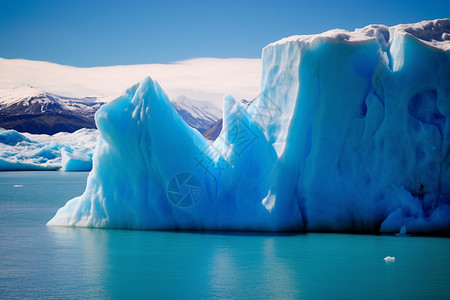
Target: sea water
(78,263)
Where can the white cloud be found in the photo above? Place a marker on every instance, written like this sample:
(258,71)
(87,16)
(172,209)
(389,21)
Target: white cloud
(202,78)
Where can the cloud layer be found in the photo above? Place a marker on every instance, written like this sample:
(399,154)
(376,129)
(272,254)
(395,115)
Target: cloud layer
(202,78)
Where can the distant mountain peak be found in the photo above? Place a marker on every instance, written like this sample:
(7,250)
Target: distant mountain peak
(29,109)
(197,114)
(19,93)
(26,108)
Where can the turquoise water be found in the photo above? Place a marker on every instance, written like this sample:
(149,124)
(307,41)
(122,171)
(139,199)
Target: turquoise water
(41,262)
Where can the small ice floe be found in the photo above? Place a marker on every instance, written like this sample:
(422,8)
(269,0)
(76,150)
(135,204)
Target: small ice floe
(402,231)
(17,185)
(389,259)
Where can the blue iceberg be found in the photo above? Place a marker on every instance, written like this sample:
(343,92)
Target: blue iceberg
(349,133)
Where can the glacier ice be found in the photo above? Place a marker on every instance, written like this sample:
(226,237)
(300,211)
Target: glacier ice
(74,160)
(11,137)
(349,133)
(29,152)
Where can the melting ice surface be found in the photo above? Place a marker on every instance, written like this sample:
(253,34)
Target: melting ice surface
(349,133)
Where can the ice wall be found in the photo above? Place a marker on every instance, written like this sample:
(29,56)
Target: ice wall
(349,133)
(363,131)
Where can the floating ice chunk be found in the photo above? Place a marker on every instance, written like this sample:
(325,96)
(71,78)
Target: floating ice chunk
(389,259)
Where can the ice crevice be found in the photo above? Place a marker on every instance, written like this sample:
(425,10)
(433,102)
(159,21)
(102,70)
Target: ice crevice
(349,133)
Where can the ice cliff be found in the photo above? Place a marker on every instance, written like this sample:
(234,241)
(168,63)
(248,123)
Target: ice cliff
(349,133)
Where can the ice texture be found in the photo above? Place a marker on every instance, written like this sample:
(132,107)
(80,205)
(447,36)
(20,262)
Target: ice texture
(74,160)
(349,133)
(33,152)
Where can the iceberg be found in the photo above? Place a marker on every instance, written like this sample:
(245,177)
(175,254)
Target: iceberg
(348,134)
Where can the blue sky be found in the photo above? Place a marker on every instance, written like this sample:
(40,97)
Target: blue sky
(101,33)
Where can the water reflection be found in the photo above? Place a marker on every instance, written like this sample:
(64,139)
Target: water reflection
(80,252)
(121,263)
(279,274)
(124,263)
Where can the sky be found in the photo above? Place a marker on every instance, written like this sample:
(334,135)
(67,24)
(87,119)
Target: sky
(88,33)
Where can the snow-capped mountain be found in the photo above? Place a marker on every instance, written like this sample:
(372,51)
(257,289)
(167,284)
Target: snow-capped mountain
(29,109)
(200,115)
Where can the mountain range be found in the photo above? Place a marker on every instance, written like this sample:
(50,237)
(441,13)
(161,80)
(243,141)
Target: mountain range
(29,109)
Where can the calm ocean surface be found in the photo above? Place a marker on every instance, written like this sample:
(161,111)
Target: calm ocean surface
(41,262)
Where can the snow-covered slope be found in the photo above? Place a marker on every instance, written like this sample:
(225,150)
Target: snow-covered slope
(28,109)
(349,133)
(28,96)
(197,114)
